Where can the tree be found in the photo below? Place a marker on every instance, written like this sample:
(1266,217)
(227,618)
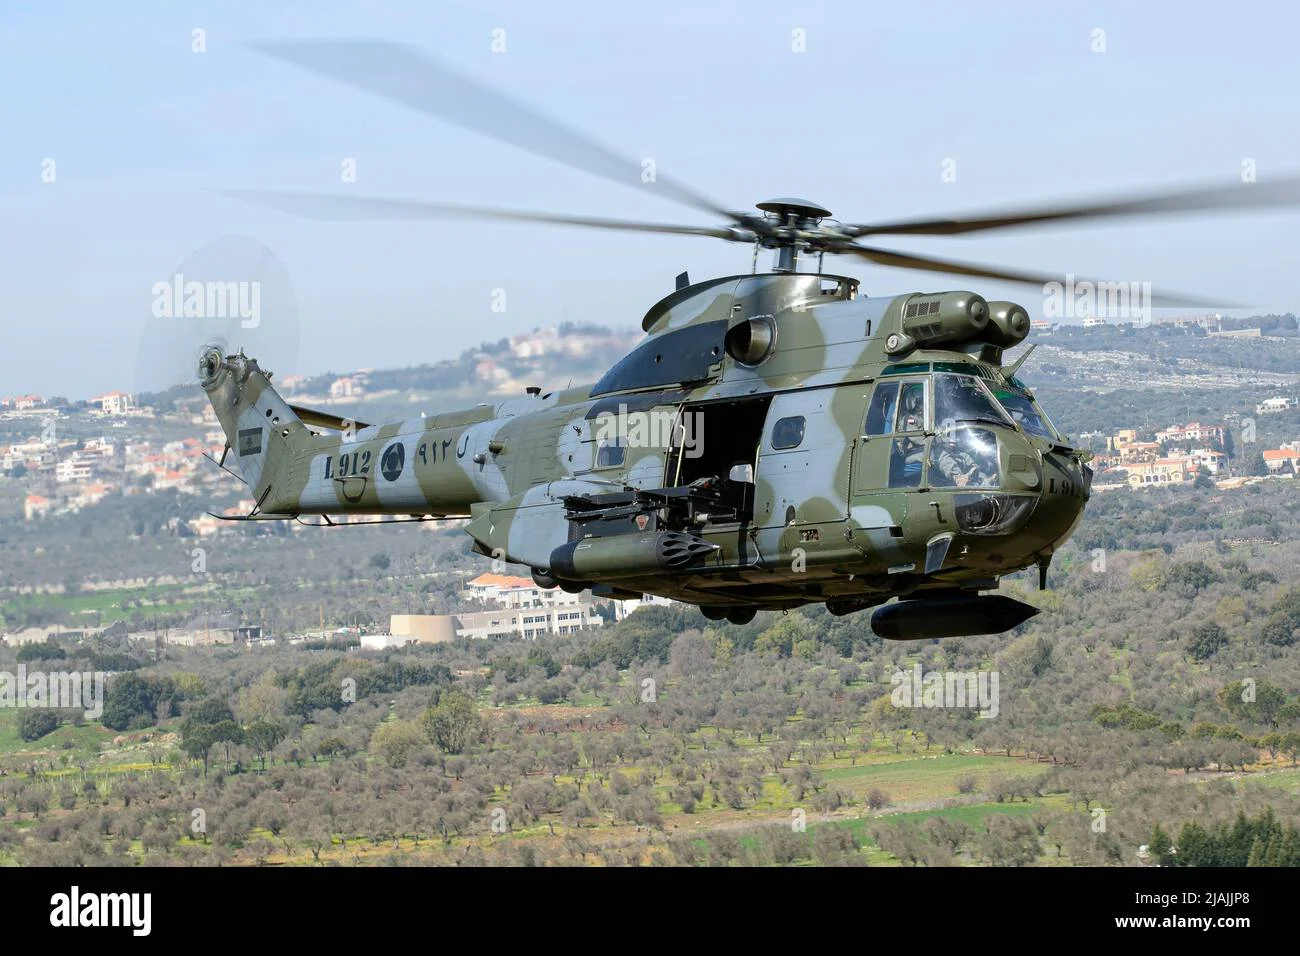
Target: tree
(1008,841)
(1262,706)
(1148,574)
(1207,639)
(207,723)
(130,703)
(691,654)
(453,723)
(262,736)
(1161,847)
(1291,744)
(263,701)
(49,650)
(35,723)
(1284,620)
(395,741)
(1188,578)
(197,742)
(833,844)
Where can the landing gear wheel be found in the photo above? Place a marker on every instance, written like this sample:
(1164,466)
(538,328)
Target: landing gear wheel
(741,615)
(713,613)
(544,579)
(574,587)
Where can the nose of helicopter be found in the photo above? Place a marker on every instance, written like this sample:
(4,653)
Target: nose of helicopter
(1066,485)
(1064,488)
(1036,506)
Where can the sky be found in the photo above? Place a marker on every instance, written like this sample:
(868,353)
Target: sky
(874,110)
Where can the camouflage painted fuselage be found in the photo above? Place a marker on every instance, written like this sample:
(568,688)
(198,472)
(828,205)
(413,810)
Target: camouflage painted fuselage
(742,429)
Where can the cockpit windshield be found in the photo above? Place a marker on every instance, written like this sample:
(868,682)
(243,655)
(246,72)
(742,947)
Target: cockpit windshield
(1022,407)
(961,398)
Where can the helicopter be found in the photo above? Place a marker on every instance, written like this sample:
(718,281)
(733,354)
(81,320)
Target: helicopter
(777,439)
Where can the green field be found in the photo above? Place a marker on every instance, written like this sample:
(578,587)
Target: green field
(148,601)
(910,778)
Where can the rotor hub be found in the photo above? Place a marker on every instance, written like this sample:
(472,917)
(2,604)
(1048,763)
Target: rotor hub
(799,208)
(210,364)
(792,226)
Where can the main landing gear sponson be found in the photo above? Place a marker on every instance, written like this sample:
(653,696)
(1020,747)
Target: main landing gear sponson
(545,580)
(736,615)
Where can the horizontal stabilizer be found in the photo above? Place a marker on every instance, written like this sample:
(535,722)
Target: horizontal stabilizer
(310,416)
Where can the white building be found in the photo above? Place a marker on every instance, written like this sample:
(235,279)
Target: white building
(379,642)
(116,403)
(31,448)
(507,590)
(527,622)
(348,386)
(1269,405)
(72,468)
(1193,431)
(99,446)
(1211,462)
(623,608)
(1282,461)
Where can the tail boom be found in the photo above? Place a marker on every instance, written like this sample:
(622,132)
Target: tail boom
(301,462)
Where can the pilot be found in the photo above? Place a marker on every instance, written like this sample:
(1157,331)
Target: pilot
(954,465)
(905,462)
(953,398)
(912,417)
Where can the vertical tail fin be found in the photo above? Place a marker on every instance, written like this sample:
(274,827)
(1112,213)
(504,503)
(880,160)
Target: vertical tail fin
(263,433)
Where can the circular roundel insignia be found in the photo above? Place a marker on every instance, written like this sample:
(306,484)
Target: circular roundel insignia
(390,465)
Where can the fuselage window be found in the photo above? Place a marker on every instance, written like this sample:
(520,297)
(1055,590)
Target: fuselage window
(788,432)
(610,454)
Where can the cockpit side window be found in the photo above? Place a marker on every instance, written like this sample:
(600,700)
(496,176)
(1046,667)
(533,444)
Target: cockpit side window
(880,413)
(1022,407)
(911,408)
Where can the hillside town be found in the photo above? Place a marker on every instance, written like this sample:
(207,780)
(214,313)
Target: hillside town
(1185,452)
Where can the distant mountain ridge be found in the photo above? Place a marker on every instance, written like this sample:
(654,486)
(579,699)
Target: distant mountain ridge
(576,353)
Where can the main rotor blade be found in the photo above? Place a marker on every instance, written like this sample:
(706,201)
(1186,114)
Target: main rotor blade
(324,206)
(403,75)
(1280,193)
(905,260)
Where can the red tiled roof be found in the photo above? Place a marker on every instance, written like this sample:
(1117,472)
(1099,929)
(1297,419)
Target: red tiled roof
(503,581)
